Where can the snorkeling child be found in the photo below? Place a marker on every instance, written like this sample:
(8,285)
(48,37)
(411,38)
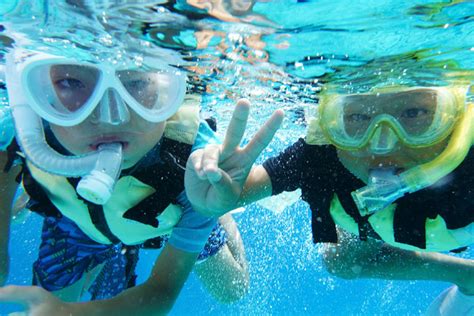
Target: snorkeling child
(124,130)
(392,166)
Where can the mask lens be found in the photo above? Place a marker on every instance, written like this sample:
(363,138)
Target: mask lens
(357,114)
(414,111)
(63,89)
(154,91)
(142,86)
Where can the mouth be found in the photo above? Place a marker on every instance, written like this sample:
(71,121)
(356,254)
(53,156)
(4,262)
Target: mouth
(108,140)
(394,170)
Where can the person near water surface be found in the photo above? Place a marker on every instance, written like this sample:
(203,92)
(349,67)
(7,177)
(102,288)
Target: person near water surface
(387,175)
(100,148)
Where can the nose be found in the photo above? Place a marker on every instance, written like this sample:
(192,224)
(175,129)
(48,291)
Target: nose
(383,141)
(111,109)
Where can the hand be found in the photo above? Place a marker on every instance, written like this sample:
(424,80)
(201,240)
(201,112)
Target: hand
(215,176)
(35,300)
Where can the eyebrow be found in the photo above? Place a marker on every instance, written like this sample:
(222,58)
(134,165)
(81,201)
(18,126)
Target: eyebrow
(57,70)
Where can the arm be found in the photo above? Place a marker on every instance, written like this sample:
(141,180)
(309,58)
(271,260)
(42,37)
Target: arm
(257,186)
(8,187)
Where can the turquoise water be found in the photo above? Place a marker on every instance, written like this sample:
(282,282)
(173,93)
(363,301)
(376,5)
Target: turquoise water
(278,54)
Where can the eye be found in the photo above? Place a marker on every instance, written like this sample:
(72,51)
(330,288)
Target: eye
(138,84)
(69,84)
(414,113)
(356,117)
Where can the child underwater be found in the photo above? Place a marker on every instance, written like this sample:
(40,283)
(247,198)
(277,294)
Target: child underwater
(387,174)
(100,147)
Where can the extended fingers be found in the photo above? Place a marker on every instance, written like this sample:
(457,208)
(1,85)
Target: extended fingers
(195,162)
(264,135)
(237,125)
(210,163)
(204,162)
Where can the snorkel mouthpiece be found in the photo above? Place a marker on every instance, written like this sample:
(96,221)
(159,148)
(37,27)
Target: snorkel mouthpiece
(97,186)
(383,188)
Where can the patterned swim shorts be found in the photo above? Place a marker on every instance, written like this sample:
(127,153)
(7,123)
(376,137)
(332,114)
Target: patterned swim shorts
(66,253)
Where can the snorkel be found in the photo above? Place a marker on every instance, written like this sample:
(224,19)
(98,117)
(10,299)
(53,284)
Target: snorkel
(99,170)
(383,190)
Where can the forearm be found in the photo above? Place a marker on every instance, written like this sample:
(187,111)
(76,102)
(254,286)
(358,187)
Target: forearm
(352,258)
(257,186)
(409,265)
(139,300)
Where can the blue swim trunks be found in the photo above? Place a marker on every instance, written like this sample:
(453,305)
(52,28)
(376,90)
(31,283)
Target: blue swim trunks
(66,253)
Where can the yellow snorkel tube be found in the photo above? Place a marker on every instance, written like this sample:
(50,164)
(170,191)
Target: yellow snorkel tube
(375,197)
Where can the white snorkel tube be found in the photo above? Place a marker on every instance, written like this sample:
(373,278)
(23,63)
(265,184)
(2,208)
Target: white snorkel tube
(99,170)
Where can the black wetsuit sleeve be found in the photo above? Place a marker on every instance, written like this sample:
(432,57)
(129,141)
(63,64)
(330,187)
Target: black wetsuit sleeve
(285,170)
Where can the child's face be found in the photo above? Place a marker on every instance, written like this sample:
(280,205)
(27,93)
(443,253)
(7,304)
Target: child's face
(138,136)
(413,112)
(75,84)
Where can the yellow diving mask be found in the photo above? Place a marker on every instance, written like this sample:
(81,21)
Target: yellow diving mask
(417,117)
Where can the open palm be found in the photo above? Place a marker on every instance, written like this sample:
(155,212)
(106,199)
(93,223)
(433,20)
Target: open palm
(215,175)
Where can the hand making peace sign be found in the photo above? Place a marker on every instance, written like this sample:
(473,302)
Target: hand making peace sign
(215,175)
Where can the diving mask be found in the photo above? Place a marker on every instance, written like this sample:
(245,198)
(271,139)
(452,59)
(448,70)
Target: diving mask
(449,115)
(417,117)
(65,91)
